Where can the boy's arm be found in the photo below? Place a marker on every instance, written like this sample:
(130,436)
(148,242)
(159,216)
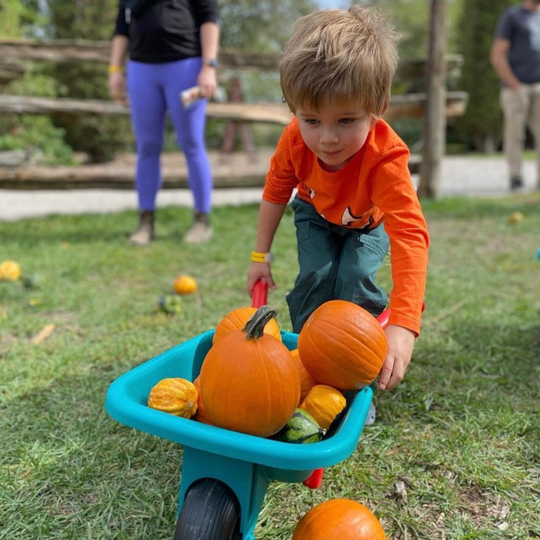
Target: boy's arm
(270,215)
(392,191)
(280,182)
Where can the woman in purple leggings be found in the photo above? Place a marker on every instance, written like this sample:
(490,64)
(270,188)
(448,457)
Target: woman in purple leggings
(172,46)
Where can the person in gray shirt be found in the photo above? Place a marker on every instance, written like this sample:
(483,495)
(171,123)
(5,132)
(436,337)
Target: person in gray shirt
(515,56)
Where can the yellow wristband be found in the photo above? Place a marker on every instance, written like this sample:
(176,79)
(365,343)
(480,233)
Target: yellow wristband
(257,256)
(116,69)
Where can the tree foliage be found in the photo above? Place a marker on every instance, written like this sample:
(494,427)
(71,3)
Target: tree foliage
(261,26)
(100,136)
(411,19)
(20,18)
(481,126)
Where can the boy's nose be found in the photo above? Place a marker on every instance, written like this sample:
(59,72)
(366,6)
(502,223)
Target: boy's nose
(329,136)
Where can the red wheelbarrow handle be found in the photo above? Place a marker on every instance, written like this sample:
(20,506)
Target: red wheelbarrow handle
(259,296)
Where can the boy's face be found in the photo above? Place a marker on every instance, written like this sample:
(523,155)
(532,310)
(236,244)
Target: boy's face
(334,133)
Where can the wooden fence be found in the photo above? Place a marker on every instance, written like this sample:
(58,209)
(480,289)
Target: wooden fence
(14,54)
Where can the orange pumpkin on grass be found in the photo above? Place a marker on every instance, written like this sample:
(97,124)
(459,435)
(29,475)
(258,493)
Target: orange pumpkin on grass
(339,519)
(237,319)
(342,345)
(185,285)
(249,380)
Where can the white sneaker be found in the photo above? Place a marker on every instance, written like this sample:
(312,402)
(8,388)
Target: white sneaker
(371,415)
(198,233)
(144,233)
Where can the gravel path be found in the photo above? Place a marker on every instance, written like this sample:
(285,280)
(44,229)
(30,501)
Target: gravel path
(461,176)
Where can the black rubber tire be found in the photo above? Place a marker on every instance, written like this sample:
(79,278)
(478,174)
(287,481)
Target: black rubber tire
(210,512)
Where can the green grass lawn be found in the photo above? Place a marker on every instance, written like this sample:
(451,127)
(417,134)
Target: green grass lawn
(462,431)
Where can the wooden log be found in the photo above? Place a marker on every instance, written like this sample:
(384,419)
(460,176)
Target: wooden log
(416,68)
(405,106)
(69,51)
(9,71)
(236,171)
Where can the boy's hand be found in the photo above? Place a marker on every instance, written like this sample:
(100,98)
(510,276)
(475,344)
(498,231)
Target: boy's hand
(400,348)
(259,270)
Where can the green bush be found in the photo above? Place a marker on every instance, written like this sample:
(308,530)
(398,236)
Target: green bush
(36,135)
(101,137)
(40,138)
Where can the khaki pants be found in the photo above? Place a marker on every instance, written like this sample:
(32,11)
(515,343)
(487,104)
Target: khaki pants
(521,108)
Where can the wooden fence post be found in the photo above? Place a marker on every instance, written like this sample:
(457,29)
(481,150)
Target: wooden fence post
(246,134)
(434,136)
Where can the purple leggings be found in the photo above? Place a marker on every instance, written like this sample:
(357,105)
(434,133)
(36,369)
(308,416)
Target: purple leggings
(153,90)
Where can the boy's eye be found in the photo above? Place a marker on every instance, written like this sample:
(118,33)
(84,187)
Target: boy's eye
(311,121)
(347,120)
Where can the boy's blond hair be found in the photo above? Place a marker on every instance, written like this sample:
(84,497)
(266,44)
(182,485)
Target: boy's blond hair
(340,56)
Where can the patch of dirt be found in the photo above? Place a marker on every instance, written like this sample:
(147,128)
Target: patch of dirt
(484,505)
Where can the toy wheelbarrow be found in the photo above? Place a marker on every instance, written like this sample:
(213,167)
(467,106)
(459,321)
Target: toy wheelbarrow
(225,474)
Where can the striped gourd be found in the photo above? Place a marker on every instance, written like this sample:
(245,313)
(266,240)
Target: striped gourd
(301,429)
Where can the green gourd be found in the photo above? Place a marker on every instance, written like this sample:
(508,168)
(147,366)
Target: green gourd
(302,428)
(170,304)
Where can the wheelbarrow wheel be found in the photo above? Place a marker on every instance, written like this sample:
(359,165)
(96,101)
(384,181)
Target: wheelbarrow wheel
(210,512)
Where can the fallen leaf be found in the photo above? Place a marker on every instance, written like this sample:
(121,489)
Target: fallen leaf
(400,491)
(43,334)
(504,511)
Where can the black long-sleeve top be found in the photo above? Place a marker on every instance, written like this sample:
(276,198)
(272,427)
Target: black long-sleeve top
(167,30)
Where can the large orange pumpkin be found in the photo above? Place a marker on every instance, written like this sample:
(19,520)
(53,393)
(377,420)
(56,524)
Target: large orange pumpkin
(307,382)
(342,345)
(249,380)
(201,415)
(339,519)
(237,319)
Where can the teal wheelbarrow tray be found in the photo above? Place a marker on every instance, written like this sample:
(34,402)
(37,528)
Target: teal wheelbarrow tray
(225,474)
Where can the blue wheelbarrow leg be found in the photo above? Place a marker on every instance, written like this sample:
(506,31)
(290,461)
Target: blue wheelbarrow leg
(248,481)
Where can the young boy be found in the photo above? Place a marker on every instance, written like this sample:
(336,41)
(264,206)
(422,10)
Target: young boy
(351,172)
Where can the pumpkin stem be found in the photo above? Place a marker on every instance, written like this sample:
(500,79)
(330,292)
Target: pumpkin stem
(255,326)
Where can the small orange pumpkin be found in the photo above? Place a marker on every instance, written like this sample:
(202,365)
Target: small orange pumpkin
(174,396)
(307,382)
(342,345)
(249,380)
(324,403)
(201,415)
(237,319)
(339,519)
(10,270)
(185,285)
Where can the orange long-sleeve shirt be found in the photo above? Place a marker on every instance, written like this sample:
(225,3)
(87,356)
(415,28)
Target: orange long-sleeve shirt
(373,187)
